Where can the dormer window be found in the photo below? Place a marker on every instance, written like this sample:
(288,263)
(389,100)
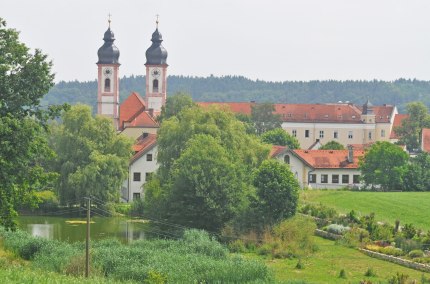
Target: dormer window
(107,85)
(155,86)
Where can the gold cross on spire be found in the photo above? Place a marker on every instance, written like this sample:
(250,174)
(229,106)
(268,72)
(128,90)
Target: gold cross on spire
(157,20)
(109,20)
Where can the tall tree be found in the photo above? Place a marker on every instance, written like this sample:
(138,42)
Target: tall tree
(92,159)
(279,136)
(24,78)
(263,117)
(384,165)
(207,187)
(417,176)
(174,105)
(206,162)
(411,127)
(277,191)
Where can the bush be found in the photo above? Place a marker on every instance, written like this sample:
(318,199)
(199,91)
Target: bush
(370,272)
(416,253)
(319,211)
(337,229)
(48,200)
(237,246)
(137,207)
(342,273)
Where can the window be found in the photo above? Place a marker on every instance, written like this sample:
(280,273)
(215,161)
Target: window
(324,178)
(149,157)
(350,135)
(155,86)
(382,132)
(289,115)
(335,179)
(136,176)
(370,135)
(294,133)
(136,195)
(107,85)
(356,179)
(335,134)
(345,178)
(287,159)
(312,178)
(321,133)
(306,133)
(148,176)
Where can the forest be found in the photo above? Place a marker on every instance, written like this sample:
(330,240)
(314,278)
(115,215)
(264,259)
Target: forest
(240,89)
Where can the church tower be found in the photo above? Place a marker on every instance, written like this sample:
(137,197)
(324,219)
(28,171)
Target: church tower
(156,73)
(368,117)
(108,78)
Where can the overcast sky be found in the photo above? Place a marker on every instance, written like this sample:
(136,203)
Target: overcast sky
(275,40)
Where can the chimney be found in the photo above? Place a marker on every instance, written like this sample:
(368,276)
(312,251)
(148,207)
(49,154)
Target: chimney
(151,112)
(350,154)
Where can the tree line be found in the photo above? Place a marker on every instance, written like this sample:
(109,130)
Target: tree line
(240,89)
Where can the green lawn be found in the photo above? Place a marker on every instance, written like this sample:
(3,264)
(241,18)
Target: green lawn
(408,207)
(324,267)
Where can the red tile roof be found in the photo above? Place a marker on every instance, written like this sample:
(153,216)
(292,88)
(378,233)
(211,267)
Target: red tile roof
(276,150)
(330,113)
(144,143)
(141,119)
(130,107)
(425,140)
(329,159)
(396,123)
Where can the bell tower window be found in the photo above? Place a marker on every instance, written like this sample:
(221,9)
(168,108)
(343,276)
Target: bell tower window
(107,85)
(155,86)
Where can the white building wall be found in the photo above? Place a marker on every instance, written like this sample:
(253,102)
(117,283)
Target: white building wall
(143,167)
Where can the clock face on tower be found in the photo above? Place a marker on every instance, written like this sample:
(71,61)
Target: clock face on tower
(155,72)
(108,71)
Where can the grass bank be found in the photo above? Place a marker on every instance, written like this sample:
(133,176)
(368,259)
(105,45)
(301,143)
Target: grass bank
(324,266)
(408,207)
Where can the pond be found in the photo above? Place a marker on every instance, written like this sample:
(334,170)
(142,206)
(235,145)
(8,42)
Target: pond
(74,229)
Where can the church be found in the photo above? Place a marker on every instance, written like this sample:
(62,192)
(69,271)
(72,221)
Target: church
(136,116)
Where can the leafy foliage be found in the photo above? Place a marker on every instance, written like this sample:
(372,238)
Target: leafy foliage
(332,145)
(411,127)
(91,158)
(24,79)
(277,192)
(174,105)
(279,136)
(263,118)
(417,176)
(384,165)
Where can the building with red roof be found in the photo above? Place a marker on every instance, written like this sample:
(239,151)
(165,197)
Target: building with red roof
(345,123)
(323,168)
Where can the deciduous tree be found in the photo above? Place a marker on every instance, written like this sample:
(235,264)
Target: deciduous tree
(24,78)
(92,159)
(332,145)
(384,165)
(279,136)
(263,117)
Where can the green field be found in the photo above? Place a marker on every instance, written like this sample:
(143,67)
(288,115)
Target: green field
(408,207)
(324,267)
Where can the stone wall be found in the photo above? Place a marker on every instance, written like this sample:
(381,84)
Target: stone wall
(397,260)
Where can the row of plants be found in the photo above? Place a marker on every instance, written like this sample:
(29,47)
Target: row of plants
(365,231)
(195,258)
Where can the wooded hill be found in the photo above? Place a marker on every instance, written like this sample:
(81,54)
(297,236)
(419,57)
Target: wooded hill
(241,89)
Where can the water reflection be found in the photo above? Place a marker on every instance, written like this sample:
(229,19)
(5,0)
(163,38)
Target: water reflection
(74,229)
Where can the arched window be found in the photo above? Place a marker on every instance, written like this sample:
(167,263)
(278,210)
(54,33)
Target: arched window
(287,159)
(107,85)
(155,86)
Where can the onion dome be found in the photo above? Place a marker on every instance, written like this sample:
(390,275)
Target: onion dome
(156,54)
(108,53)
(368,107)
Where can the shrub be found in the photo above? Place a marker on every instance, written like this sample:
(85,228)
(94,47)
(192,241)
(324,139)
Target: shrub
(399,278)
(47,199)
(370,272)
(300,265)
(137,207)
(337,229)
(392,251)
(237,246)
(342,273)
(354,237)
(416,253)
